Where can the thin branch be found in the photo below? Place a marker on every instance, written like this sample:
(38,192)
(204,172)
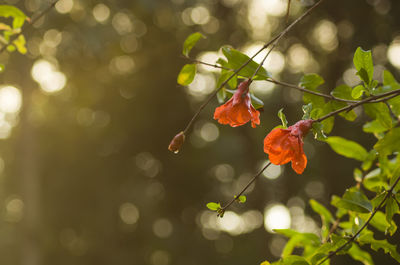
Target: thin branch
(372,99)
(33,21)
(223,209)
(332,230)
(350,240)
(273,41)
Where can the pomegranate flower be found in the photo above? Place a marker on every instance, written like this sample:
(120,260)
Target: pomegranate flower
(177,142)
(285,145)
(238,110)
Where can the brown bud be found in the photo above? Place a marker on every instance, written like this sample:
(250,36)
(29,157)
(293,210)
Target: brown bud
(177,142)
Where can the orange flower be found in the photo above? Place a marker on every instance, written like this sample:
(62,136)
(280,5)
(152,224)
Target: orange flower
(238,110)
(285,145)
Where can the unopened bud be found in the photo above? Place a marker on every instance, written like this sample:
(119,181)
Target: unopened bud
(177,143)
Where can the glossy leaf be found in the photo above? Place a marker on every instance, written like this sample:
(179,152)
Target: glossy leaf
(357,253)
(282,117)
(343,92)
(367,238)
(10,11)
(354,200)
(389,143)
(380,112)
(363,62)
(213,206)
(190,42)
(187,74)
(312,82)
(357,92)
(374,126)
(347,148)
(391,208)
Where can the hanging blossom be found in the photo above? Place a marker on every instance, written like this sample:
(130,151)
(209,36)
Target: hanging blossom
(238,110)
(285,145)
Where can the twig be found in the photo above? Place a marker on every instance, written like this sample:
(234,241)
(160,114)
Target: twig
(372,99)
(33,21)
(332,230)
(350,240)
(223,209)
(273,41)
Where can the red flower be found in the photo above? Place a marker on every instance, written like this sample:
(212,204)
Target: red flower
(285,145)
(238,110)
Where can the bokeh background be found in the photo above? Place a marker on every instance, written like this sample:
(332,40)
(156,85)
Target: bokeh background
(87,114)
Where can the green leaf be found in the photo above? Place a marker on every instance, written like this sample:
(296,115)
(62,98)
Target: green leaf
(2,67)
(265,263)
(389,80)
(367,238)
(11,11)
(373,181)
(357,92)
(354,200)
(307,111)
(187,74)
(380,112)
(295,260)
(363,62)
(374,127)
(213,206)
(221,95)
(391,208)
(282,117)
(190,42)
(236,59)
(326,216)
(358,254)
(379,222)
(347,148)
(256,102)
(318,131)
(20,44)
(389,143)
(343,92)
(394,104)
(242,199)
(312,82)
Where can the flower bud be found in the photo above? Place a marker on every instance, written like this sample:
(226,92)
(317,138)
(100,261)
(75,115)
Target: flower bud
(177,143)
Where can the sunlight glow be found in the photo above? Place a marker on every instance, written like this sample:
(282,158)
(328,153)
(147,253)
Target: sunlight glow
(64,6)
(128,213)
(393,54)
(272,172)
(46,74)
(10,99)
(101,13)
(325,34)
(276,217)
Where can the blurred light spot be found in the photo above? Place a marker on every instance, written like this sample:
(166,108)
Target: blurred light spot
(252,220)
(276,245)
(379,54)
(101,12)
(159,257)
(2,165)
(64,6)
(274,63)
(315,189)
(5,129)
(299,58)
(200,15)
(46,74)
(14,209)
(296,201)
(122,23)
(186,17)
(209,132)
(272,7)
(231,223)
(224,172)
(261,87)
(383,7)
(52,38)
(139,28)
(129,43)
(350,77)
(224,244)
(393,54)
(345,29)
(212,26)
(276,217)
(128,213)
(162,228)
(10,99)
(148,164)
(123,64)
(126,92)
(325,35)
(202,85)
(272,171)
(301,222)
(208,57)
(155,190)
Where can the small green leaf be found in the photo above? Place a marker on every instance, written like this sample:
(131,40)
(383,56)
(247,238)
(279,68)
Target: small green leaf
(242,199)
(380,112)
(347,148)
(190,42)
(391,208)
(213,206)
(318,131)
(20,44)
(11,11)
(294,260)
(256,102)
(187,74)
(282,116)
(357,92)
(363,62)
(358,254)
(307,111)
(2,67)
(326,216)
(354,200)
(367,238)
(312,82)
(265,263)
(374,127)
(389,143)
(237,59)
